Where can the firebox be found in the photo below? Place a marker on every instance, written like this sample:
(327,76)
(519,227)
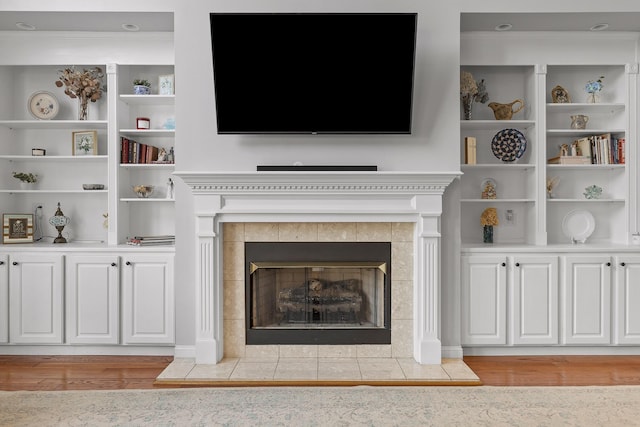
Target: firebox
(318,292)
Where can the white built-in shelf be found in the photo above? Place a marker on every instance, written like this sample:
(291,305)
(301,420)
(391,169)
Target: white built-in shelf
(147,165)
(558,200)
(497,200)
(498,166)
(585,167)
(58,191)
(582,132)
(148,132)
(602,108)
(54,158)
(54,124)
(148,99)
(147,200)
(496,124)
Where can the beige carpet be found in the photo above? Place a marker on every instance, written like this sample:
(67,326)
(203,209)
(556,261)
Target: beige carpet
(344,406)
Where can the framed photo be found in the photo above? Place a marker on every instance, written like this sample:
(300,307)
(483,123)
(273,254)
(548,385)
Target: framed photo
(85,143)
(17,228)
(166,85)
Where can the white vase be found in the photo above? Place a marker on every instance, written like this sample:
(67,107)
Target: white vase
(27,185)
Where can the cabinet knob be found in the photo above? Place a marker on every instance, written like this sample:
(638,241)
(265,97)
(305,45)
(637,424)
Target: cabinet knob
(15,262)
(517,264)
(623,264)
(128,263)
(113,264)
(504,264)
(608,264)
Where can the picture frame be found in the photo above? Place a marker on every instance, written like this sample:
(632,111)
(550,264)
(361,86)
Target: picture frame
(84,143)
(17,228)
(166,84)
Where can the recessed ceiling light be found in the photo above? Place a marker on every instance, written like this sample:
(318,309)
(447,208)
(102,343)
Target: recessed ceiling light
(503,27)
(130,27)
(25,26)
(599,27)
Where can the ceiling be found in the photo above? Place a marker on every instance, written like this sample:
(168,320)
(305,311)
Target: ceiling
(628,21)
(87,21)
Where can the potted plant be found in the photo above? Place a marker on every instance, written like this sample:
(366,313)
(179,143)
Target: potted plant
(141,87)
(26,179)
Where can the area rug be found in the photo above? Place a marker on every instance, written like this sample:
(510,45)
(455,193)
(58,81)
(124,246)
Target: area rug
(339,406)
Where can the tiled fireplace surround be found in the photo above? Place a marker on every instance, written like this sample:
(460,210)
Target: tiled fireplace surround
(403,208)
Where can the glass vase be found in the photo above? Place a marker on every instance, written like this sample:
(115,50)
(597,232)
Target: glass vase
(83,108)
(592,98)
(487,234)
(467,105)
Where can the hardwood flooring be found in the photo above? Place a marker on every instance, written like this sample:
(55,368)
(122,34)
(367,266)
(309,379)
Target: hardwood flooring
(140,372)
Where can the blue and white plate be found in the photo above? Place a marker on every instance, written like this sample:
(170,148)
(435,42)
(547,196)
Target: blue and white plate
(509,145)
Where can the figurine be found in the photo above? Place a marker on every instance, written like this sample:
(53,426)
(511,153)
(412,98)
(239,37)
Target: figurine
(162,155)
(170,189)
(171,156)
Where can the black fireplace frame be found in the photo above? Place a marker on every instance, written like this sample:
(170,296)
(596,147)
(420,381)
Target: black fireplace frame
(318,252)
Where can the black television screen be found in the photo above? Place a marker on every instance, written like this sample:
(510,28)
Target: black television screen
(313,73)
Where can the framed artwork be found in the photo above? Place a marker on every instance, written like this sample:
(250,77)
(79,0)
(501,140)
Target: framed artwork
(85,143)
(166,85)
(17,228)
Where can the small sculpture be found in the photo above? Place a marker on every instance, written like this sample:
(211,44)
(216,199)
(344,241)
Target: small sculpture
(489,189)
(559,95)
(162,155)
(592,192)
(170,188)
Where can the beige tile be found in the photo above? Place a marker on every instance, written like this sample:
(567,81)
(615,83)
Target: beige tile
(402,338)
(234,338)
(297,369)
(401,299)
(373,232)
(220,371)
(415,371)
(177,370)
(298,351)
(402,260)
(341,351)
(233,300)
(402,232)
(263,352)
(338,369)
(458,370)
(246,370)
(373,350)
(337,232)
(298,232)
(380,369)
(233,265)
(233,232)
(261,232)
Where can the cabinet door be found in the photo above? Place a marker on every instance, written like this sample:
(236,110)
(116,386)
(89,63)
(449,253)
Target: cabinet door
(4,298)
(35,292)
(628,298)
(535,300)
(484,285)
(148,304)
(587,300)
(92,295)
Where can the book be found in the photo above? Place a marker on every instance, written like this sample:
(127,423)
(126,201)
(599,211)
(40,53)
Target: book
(470,150)
(584,147)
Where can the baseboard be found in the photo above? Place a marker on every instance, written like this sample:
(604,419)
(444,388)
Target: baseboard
(83,350)
(185,351)
(551,351)
(452,352)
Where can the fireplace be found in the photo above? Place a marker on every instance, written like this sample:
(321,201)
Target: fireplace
(318,293)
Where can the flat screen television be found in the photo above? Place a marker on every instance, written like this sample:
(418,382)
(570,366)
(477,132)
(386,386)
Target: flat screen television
(313,73)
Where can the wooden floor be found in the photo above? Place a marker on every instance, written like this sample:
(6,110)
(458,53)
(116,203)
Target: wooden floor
(122,372)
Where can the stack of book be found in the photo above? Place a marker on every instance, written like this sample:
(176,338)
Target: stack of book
(151,240)
(602,149)
(135,152)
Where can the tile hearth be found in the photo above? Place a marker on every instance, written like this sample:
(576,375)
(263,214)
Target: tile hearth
(318,370)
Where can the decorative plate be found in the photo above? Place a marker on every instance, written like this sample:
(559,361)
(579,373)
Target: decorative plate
(578,225)
(43,105)
(508,145)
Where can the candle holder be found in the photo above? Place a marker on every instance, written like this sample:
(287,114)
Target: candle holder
(59,220)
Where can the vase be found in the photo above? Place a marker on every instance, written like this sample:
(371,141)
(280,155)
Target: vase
(487,234)
(467,104)
(27,185)
(83,108)
(141,90)
(592,98)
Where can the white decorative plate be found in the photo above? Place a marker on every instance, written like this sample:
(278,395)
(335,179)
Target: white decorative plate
(578,225)
(43,105)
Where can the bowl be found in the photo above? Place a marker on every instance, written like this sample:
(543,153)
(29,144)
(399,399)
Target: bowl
(143,191)
(93,186)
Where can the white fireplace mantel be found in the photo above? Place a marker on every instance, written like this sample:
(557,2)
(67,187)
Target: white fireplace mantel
(303,196)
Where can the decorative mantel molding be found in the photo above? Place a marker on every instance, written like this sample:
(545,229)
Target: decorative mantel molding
(319,197)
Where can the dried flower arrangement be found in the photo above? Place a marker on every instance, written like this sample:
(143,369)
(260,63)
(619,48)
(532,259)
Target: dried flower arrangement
(489,217)
(551,184)
(471,91)
(86,85)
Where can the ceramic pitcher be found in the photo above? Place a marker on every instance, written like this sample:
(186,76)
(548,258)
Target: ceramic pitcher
(579,121)
(505,111)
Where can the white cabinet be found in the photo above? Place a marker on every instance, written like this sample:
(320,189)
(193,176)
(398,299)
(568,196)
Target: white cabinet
(4,298)
(148,299)
(628,299)
(484,300)
(535,299)
(587,299)
(92,294)
(35,295)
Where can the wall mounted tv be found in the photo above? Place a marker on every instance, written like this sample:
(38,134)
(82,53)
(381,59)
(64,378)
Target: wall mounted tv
(313,73)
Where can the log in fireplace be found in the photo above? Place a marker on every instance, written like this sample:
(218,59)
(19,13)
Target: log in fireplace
(318,292)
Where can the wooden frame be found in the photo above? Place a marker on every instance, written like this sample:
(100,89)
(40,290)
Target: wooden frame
(17,228)
(84,143)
